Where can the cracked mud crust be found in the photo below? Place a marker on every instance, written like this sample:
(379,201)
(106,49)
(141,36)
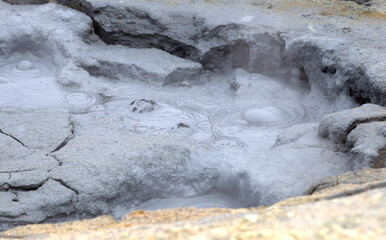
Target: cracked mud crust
(351,214)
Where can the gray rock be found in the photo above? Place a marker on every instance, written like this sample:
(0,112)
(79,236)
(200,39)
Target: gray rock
(331,68)
(359,131)
(73,76)
(120,169)
(300,134)
(28,180)
(217,37)
(26,173)
(41,129)
(35,161)
(12,148)
(365,176)
(104,169)
(49,200)
(149,65)
(189,32)
(4,177)
(338,125)
(368,142)
(28,135)
(10,206)
(72,41)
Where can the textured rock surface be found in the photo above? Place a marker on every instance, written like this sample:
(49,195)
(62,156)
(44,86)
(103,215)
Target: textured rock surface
(149,65)
(217,37)
(359,130)
(46,129)
(89,177)
(351,178)
(28,193)
(221,38)
(338,125)
(340,211)
(368,142)
(341,186)
(72,51)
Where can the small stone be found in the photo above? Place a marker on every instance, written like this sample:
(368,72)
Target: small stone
(290,214)
(143,106)
(251,218)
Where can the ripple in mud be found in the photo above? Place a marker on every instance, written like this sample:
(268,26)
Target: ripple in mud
(227,143)
(30,83)
(82,100)
(271,115)
(274,115)
(23,70)
(253,126)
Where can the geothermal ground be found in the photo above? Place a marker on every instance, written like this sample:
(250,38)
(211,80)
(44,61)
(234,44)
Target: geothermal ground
(108,107)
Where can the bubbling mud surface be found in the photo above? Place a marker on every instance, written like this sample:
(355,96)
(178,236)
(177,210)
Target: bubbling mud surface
(30,83)
(240,131)
(83,100)
(271,115)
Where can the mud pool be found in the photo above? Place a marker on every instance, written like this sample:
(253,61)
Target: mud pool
(108,107)
(237,115)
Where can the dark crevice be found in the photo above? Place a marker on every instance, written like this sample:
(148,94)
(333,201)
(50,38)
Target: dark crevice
(57,159)
(217,54)
(154,40)
(319,187)
(66,140)
(358,97)
(64,143)
(87,8)
(32,187)
(331,70)
(26,170)
(303,76)
(360,2)
(101,33)
(241,55)
(14,138)
(64,184)
(12,237)
(355,191)
(358,122)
